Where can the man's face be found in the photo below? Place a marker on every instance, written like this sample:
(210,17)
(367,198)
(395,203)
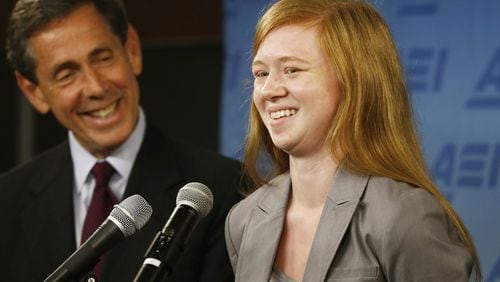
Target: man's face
(87,79)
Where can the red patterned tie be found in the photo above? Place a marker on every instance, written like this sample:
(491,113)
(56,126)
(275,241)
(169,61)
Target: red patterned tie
(100,206)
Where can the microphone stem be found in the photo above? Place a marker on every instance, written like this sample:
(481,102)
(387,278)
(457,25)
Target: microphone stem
(168,245)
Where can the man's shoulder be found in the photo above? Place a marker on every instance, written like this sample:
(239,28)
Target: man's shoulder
(18,185)
(190,152)
(200,163)
(192,163)
(39,166)
(157,141)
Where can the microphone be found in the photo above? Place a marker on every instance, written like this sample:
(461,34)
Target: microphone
(194,201)
(124,220)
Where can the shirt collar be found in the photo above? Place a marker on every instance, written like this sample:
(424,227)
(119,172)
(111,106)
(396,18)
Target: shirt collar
(122,159)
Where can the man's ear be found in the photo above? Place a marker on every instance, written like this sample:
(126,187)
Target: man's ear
(133,48)
(33,93)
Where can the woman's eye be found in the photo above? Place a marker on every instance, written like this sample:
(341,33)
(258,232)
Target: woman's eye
(260,74)
(291,70)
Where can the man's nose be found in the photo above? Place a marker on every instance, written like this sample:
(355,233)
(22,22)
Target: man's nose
(94,83)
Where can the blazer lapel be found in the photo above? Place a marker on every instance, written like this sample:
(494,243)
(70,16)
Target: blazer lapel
(262,235)
(340,206)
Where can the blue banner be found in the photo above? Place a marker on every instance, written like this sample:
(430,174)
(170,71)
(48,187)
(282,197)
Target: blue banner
(451,55)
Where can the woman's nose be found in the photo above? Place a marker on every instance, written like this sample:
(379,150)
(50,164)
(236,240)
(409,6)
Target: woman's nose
(273,87)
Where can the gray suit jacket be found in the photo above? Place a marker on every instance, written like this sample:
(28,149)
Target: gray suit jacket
(372,229)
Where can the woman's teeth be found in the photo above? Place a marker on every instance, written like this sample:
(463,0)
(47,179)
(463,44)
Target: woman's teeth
(283,113)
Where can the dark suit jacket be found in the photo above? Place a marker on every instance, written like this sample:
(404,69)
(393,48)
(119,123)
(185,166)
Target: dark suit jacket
(36,212)
(371,229)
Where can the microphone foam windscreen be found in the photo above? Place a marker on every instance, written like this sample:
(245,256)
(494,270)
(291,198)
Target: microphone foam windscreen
(197,196)
(132,213)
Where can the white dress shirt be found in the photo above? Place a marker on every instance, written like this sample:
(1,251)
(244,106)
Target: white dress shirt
(122,160)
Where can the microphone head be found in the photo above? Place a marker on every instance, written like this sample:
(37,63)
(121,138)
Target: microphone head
(197,196)
(131,214)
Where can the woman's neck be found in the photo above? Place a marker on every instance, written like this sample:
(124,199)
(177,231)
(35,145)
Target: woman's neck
(311,179)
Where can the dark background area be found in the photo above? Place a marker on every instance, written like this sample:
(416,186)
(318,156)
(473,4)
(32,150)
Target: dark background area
(182,46)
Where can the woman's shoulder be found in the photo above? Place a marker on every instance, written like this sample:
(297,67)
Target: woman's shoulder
(392,193)
(389,204)
(408,224)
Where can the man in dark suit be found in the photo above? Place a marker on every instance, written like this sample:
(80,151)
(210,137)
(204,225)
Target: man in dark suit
(79,59)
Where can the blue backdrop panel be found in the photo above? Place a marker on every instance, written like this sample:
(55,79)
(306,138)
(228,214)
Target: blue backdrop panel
(451,55)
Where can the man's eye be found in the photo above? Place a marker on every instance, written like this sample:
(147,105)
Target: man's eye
(65,76)
(291,70)
(105,59)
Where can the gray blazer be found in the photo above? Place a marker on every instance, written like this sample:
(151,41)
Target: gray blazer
(372,229)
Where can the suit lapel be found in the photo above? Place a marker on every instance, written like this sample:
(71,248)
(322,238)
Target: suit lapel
(52,204)
(154,172)
(154,176)
(262,235)
(340,206)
